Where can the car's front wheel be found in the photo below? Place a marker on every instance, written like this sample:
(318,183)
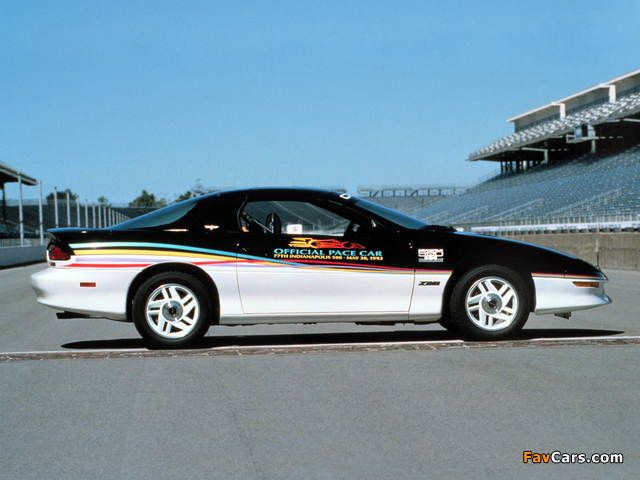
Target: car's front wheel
(172,309)
(489,303)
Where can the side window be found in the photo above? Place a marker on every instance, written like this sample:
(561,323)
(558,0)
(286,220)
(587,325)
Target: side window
(291,218)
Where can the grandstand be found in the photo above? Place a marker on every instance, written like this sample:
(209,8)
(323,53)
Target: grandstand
(22,221)
(69,214)
(571,164)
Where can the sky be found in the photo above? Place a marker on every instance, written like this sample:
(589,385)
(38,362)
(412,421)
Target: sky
(109,98)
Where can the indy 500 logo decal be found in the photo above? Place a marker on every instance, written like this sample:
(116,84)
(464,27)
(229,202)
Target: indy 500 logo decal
(430,254)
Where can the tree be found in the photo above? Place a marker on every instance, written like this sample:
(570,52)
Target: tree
(148,200)
(185,196)
(103,201)
(62,195)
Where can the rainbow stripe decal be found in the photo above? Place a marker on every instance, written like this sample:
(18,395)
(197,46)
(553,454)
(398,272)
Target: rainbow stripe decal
(142,254)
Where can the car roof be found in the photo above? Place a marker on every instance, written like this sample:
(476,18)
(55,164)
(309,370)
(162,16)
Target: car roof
(279,192)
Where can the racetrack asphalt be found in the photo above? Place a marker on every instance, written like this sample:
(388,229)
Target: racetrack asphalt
(86,399)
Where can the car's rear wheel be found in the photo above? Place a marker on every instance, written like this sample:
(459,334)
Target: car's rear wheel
(489,303)
(172,309)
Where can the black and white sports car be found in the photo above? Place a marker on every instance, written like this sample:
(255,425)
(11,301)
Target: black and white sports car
(255,256)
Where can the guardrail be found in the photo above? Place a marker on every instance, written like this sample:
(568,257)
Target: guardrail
(613,223)
(559,228)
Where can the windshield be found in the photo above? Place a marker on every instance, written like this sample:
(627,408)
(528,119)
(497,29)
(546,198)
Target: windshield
(396,217)
(163,217)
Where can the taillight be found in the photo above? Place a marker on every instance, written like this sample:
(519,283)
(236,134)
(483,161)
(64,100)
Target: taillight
(57,254)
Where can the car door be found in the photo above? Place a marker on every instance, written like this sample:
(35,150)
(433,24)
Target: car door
(298,257)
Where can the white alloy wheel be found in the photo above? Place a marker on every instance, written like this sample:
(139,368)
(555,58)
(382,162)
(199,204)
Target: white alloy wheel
(492,303)
(172,311)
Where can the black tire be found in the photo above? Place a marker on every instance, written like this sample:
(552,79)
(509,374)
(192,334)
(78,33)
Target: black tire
(172,310)
(449,325)
(489,303)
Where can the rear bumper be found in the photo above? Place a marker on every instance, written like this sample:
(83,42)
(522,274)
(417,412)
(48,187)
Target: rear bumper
(71,290)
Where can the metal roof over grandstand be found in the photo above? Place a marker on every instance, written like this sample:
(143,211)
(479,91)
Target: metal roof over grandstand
(9,174)
(556,125)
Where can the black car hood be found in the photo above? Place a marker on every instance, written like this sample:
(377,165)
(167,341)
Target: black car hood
(472,249)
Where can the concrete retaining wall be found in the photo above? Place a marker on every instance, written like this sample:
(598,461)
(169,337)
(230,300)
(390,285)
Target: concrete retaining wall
(12,256)
(606,250)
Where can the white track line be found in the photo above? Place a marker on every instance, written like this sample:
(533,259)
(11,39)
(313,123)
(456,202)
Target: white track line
(569,339)
(322,345)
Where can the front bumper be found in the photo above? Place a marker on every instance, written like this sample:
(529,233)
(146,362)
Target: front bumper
(555,294)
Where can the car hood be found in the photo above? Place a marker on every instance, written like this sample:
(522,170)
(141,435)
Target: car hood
(472,248)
